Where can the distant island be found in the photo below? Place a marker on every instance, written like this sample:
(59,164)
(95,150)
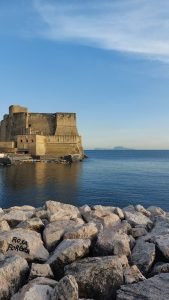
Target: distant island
(115,148)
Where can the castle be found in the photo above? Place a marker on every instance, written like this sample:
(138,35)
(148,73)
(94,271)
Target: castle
(53,134)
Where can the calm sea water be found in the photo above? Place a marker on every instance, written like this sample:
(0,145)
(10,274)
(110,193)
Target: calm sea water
(107,177)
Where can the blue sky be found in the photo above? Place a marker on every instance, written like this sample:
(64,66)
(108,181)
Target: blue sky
(108,61)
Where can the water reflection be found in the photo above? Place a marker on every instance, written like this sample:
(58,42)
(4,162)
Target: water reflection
(34,184)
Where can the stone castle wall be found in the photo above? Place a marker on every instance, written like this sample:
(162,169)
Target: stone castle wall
(58,132)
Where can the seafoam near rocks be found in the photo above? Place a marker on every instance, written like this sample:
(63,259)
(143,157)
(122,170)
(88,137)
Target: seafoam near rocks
(62,252)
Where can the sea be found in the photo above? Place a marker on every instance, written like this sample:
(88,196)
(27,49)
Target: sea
(110,177)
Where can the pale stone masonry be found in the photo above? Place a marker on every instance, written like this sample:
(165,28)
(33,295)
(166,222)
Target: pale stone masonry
(53,134)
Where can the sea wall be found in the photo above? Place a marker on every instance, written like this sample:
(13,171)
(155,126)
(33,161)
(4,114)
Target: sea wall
(60,251)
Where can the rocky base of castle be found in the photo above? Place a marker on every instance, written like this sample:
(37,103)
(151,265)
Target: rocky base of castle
(62,252)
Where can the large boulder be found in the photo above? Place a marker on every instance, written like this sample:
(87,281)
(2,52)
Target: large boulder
(36,289)
(100,216)
(4,226)
(54,231)
(162,243)
(98,277)
(160,267)
(67,289)
(25,243)
(60,211)
(13,271)
(156,211)
(15,216)
(111,242)
(154,288)
(143,255)
(35,224)
(135,217)
(132,274)
(85,231)
(40,270)
(67,252)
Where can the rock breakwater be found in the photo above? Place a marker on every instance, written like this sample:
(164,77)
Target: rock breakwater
(63,252)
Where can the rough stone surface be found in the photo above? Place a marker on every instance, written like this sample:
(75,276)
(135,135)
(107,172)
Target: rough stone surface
(67,252)
(85,231)
(59,211)
(160,267)
(32,224)
(110,242)
(143,255)
(106,218)
(67,289)
(155,288)
(15,216)
(54,231)
(156,211)
(118,211)
(132,274)
(36,289)
(162,243)
(97,277)
(4,226)
(40,270)
(135,218)
(144,211)
(23,242)
(138,232)
(13,272)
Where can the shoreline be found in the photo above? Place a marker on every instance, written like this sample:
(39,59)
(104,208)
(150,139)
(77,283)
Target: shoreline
(60,251)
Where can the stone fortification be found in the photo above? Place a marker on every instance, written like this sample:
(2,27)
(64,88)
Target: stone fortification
(39,133)
(60,251)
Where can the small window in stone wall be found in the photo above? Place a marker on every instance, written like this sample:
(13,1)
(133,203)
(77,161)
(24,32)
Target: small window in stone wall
(32,141)
(27,141)
(21,141)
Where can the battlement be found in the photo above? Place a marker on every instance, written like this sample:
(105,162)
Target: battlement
(60,127)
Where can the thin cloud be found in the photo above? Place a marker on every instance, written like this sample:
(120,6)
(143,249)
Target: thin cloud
(133,26)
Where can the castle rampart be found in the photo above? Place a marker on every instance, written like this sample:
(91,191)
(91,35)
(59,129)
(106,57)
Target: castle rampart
(40,133)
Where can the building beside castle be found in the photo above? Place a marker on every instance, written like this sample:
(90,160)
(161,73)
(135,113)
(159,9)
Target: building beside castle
(39,134)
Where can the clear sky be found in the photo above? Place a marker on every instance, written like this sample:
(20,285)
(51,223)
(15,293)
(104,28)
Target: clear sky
(106,60)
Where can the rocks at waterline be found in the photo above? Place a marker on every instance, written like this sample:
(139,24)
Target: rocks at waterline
(95,252)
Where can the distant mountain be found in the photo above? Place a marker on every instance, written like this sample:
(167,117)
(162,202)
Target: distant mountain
(115,148)
(121,148)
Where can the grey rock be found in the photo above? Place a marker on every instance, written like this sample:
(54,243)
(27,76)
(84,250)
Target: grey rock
(86,231)
(118,211)
(132,274)
(135,218)
(143,255)
(13,272)
(138,232)
(100,216)
(40,270)
(15,216)
(144,211)
(162,243)
(67,252)
(98,277)
(54,231)
(23,242)
(32,224)
(67,289)
(160,267)
(36,289)
(60,211)
(132,241)
(4,226)
(154,288)
(110,242)
(156,211)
